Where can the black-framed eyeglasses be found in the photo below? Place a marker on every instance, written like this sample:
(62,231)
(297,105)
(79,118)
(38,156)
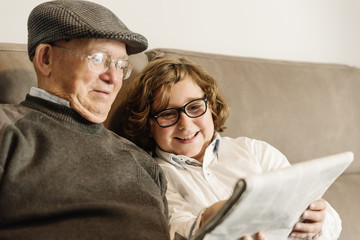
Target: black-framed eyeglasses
(99,62)
(171,116)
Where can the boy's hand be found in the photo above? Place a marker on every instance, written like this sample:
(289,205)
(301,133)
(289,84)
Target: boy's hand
(313,220)
(211,211)
(259,236)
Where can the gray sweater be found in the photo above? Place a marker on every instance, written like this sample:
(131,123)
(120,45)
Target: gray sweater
(63,177)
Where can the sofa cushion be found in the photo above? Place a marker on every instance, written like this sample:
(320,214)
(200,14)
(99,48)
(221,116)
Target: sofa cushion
(17,74)
(306,110)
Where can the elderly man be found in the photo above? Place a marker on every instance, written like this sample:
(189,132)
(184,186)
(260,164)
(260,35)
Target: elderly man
(62,174)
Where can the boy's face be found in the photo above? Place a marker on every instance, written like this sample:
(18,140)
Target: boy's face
(189,136)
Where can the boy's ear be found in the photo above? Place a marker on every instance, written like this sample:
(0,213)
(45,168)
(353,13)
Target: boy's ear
(42,59)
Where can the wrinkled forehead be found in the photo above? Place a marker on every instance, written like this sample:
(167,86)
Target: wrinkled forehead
(113,48)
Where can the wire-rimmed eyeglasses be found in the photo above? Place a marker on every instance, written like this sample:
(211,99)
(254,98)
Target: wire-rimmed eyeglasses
(171,116)
(99,62)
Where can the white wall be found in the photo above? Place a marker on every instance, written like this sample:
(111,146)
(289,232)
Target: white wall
(303,30)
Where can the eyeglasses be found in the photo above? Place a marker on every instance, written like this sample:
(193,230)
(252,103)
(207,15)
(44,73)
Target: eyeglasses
(171,116)
(100,62)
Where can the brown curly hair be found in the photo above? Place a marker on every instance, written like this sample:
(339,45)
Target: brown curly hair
(134,115)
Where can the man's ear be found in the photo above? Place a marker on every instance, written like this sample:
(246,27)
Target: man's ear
(42,59)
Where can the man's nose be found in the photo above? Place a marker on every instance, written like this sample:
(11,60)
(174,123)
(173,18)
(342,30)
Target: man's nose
(112,74)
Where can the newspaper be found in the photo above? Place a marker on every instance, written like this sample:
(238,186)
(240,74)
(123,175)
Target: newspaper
(273,202)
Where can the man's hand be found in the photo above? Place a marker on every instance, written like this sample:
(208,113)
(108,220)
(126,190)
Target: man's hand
(313,220)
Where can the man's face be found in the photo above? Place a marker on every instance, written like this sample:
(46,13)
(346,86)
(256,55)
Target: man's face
(90,93)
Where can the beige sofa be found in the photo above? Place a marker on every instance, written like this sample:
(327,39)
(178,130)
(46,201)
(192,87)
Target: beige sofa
(305,110)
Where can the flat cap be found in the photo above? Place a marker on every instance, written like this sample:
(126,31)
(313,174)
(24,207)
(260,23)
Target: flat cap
(69,19)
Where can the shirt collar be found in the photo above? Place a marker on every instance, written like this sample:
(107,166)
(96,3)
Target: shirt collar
(41,93)
(182,161)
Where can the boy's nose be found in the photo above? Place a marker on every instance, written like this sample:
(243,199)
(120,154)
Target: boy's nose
(184,120)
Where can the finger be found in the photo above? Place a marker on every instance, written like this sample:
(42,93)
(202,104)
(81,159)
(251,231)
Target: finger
(301,235)
(303,230)
(314,216)
(261,236)
(247,237)
(308,227)
(318,205)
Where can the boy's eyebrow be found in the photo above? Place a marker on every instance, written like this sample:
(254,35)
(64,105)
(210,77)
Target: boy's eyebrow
(188,100)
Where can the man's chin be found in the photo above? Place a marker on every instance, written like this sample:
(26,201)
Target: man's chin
(93,116)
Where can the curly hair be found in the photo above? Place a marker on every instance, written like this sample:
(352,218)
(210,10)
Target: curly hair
(134,115)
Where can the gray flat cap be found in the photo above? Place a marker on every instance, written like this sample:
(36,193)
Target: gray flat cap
(69,19)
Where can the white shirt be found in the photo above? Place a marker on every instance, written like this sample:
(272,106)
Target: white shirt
(192,186)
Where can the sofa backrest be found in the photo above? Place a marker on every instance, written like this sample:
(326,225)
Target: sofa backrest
(17,73)
(306,110)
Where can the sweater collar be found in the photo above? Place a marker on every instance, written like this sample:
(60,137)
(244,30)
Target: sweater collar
(61,112)
(41,93)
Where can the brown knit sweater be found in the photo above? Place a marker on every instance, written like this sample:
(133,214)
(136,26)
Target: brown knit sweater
(62,177)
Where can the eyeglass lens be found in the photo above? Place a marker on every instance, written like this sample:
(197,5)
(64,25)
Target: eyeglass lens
(100,62)
(193,109)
